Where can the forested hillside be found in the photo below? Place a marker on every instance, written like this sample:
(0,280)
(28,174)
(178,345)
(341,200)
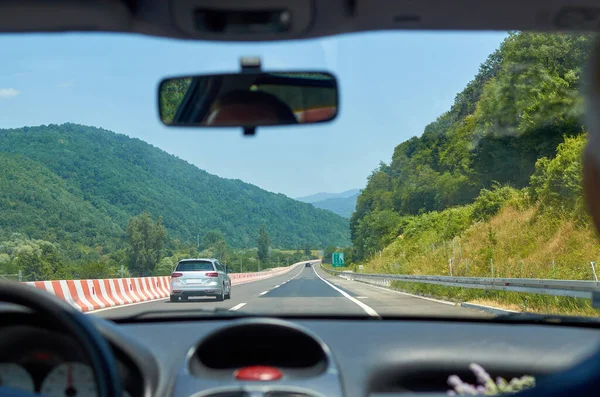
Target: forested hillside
(523,102)
(78,186)
(493,187)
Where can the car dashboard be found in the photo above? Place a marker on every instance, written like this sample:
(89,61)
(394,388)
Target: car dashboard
(318,357)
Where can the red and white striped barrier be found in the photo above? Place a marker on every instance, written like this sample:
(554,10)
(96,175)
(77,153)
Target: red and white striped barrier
(241,278)
(90,295)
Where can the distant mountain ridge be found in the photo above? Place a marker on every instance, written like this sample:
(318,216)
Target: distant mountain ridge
(79,185)
(313,198)
(343,203)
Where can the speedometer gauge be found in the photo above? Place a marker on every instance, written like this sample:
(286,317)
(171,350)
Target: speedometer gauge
(13,375)
(70,380)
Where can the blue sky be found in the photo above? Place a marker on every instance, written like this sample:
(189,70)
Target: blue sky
(392,84)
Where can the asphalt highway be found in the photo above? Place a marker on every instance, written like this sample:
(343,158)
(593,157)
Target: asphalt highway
(305,291)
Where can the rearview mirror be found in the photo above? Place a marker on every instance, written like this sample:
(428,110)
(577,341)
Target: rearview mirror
(248,99)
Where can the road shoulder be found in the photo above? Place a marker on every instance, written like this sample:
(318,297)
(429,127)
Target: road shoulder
(389,302)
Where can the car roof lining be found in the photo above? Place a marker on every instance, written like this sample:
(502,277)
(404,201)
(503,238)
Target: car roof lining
(309,18)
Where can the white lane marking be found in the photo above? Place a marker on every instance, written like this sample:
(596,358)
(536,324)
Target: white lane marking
(236,307)
(361,297)
(299,273)
(126,305)
(277,286)
(369,310)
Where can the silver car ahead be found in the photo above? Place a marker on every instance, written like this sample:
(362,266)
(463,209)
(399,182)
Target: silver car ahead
(200,277)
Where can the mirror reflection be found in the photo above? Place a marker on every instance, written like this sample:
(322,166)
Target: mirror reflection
(249,99)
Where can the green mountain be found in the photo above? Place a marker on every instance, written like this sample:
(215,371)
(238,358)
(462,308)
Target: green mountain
(74,184)
(521,105)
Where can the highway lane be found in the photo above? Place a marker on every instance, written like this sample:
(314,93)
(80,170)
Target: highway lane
(306,291)
(240,295)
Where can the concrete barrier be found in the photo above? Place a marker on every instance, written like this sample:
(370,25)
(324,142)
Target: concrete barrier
(90,295)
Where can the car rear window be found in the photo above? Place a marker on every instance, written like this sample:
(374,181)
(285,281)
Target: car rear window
(195,266)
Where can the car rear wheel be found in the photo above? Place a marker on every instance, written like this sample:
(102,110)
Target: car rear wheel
(228,295)
(174,298)
(221,297)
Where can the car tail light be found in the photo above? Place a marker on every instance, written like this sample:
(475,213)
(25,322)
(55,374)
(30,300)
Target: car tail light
(176,275)
(212,274)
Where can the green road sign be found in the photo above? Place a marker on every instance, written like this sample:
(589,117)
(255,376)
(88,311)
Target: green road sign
(337,259)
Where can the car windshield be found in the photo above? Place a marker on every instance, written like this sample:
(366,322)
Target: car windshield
(449,183)
(195,266)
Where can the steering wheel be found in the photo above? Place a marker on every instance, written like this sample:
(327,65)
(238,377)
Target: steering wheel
(76,325)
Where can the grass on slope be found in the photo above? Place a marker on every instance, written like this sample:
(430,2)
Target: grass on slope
(521,242)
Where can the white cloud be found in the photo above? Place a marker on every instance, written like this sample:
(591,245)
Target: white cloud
(8,92)
(65,84)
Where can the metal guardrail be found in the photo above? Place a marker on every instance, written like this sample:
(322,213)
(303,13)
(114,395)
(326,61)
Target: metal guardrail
(17,276)
(571,288)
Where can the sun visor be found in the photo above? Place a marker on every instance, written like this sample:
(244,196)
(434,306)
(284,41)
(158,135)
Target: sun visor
(66,15)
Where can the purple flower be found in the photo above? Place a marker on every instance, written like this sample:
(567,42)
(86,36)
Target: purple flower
(487,385)
(482,376)
(454,381)
(468,389)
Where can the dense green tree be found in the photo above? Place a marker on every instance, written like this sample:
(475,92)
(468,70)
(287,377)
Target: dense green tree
(489,202)
(212,238)
(348,255)
(214,241)
(330,249)
(172,93)
(307,251)
(95,270)
(36,259)
(558,182)
(45,264)
(264,241)
(146,239)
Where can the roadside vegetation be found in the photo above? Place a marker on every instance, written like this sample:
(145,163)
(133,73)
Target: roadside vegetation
(148,251)
(493,187)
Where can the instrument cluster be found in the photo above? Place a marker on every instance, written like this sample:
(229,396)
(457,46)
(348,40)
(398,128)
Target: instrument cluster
(49,363)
